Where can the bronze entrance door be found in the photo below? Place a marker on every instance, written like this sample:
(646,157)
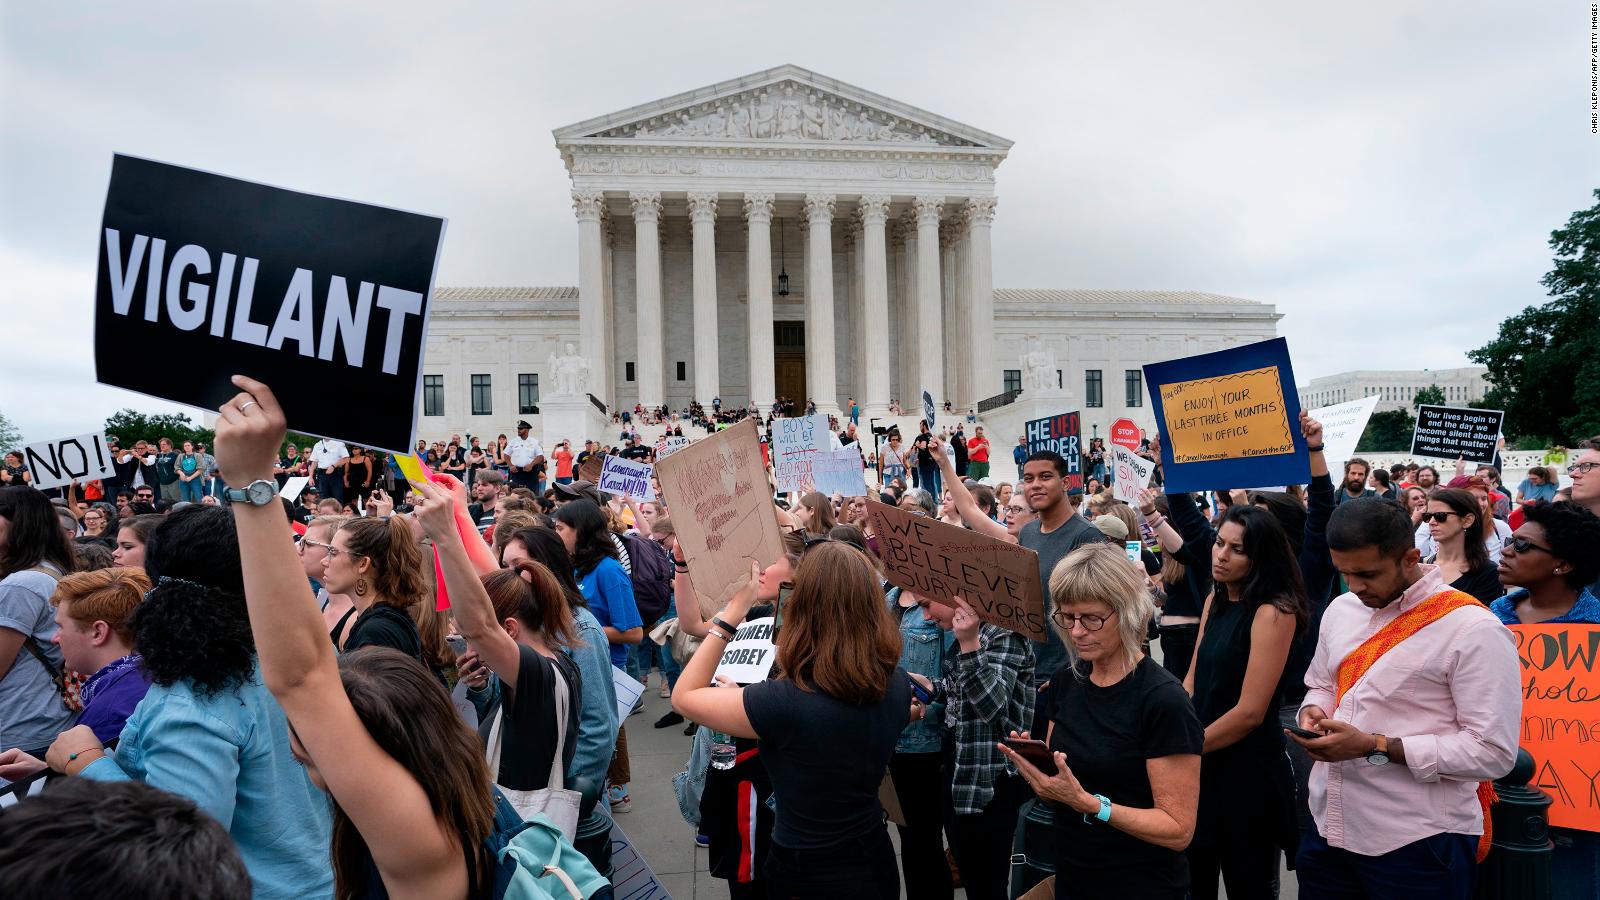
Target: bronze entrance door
(789,362)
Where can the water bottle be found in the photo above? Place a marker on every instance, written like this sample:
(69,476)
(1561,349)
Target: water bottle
(723,753)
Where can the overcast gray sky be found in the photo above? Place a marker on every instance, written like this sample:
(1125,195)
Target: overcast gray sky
(1386,173)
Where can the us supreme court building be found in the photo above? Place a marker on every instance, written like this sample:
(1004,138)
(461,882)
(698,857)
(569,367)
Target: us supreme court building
(787,234)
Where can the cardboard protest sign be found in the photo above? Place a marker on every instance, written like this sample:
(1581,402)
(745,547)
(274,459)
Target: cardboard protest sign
(669,446)
(749,656)
(1000,580)
(591,469)
(299,291)
(1560,678)
(928,409)
(1130,474)
(60,462)
(1342,426)
(627,477)
(1063,434)
(794,441)
(1229,418)
(1448,432)
(839,472)
(722,510)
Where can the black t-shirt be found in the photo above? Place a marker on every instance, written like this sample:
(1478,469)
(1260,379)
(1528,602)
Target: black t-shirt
(1053,546)
(382,625)
(638,452)
(528,734)
(826,758)
(1482,583)
(1107,734)
(920,454)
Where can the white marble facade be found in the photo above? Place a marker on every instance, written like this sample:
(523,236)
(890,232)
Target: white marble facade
(688,208)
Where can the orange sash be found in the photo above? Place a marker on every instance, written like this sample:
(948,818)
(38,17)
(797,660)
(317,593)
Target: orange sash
(1387,638)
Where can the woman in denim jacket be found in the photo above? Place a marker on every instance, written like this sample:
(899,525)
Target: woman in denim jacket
(208,729)
(919,779)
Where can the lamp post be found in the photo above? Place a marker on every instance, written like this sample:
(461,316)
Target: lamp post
(877,437)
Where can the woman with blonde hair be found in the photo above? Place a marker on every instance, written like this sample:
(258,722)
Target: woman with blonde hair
(1128,731)
(827,722)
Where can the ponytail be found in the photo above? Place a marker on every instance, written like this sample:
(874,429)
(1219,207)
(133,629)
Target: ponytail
(531,594)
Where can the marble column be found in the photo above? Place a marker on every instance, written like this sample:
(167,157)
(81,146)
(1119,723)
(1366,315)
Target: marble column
(986,381)
(588,206)
(909,365)
(703,219)
(821,371)
(651,367)
(949,297)
(608,334)
(758,216)
(850,243)
(930,318)
(875,306)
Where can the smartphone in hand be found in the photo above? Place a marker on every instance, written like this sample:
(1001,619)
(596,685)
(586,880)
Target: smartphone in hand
(919,692)
(1036,752)
(1296,730)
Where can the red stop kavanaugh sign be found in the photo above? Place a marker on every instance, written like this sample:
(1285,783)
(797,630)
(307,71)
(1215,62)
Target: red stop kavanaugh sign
(1125,433)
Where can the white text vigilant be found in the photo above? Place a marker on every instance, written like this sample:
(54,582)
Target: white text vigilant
(180,287)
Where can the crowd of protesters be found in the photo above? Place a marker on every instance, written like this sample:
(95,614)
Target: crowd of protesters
(257,696)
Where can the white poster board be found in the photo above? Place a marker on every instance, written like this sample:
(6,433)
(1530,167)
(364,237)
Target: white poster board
(631,876)
(627,477)
(669,446)
(748,657)
(1130,474)
(795,441)
(839,472)
(628,692)
(60,462)
(293,486)
(1342,425)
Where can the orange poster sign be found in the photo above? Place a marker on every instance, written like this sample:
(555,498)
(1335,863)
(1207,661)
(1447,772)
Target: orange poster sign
(1561,718)
(1235,416)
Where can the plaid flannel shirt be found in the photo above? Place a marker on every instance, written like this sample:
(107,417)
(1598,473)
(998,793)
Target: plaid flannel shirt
(988,693)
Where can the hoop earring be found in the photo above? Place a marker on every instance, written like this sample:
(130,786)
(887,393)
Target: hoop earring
(361,587)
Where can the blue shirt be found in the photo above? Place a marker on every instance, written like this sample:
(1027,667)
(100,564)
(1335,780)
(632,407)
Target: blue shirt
(229,753)
(111,694)
(609,593)
(1585,612)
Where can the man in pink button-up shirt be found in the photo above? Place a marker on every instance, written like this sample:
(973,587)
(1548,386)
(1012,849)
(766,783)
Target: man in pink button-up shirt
(1394,788)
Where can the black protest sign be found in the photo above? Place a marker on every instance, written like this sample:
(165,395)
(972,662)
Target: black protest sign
(324,300)
(60,462)
(1448,432)
(998,579)
(1063,434)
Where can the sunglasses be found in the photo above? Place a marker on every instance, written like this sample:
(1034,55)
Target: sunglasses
(1523,545)
(1440,517)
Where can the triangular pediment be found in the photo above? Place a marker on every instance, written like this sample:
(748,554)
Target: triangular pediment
(787,104)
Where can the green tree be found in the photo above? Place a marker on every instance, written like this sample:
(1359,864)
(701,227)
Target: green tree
(1432,395)
(129,425)
(1387,432)
(1544,365)
(10,437)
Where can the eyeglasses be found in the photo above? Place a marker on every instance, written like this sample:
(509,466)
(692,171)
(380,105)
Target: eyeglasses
(1582,468)
(305,542)
(1439,517)
(1090,621)
(1523,545)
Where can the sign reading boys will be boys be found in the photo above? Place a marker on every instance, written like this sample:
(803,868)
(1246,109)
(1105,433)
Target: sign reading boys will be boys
(322,299)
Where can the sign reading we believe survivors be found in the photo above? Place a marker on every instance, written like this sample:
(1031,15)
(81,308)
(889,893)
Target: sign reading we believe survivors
(1063,434)
(1560,729)
(998,579)
(324,300)
(1448,432)
(722,511)
(1229,418)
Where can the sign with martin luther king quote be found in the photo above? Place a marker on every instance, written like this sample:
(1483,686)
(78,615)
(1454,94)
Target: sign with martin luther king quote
(324,300)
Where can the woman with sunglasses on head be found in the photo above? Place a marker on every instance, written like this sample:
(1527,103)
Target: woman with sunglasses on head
(377,564)
(1546,567)
(827,723)
(1453,518)
(1122,736)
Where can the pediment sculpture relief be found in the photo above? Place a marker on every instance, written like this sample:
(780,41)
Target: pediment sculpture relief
(788,112)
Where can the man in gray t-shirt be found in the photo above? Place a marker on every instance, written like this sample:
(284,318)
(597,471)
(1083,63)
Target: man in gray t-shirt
(31,711)
(1055,533)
